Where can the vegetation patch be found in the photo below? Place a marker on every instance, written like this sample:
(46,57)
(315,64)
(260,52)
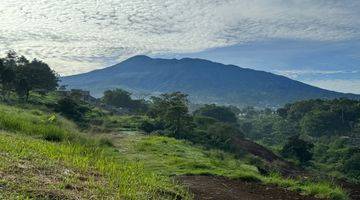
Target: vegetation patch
(169,156)
(39,165)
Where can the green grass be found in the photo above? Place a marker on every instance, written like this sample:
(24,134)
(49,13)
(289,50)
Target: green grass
(317,189)
(44,157)
(169,157)
(29,160)
(115,123)
(36,123)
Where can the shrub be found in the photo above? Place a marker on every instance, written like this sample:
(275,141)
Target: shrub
(105,142)
(220,113)
(53,136)
(352,166)
(222,134)
(151,126)
(71,109)
(298,148)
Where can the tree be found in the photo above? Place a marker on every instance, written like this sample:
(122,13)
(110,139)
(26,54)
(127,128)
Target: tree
(356,129)
(118,98)
(203,122)
(220,113)
(352,166)
(7,73)
(122,99)
(71,109)
(298,148)
(22,76)
(34,75)
(173,110)
(222,134)
(320,122)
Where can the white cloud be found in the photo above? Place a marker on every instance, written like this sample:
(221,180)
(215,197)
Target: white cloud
(79,35)
(294,74)
(341,85)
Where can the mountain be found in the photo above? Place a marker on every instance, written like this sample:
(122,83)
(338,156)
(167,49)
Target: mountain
(203,80)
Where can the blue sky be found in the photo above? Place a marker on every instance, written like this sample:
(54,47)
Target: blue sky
(315,41)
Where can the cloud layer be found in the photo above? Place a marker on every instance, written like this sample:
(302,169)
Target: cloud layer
(79,35)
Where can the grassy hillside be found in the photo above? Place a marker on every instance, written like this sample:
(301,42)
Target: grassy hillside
(46,157)
(171,157)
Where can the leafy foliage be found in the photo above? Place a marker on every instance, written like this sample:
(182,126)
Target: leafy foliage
(172,110)
(212,126)
(220,113)
(331,125)
(22,76)
(71,109)
(352,166)
(296,147)
(222,134)
(122,99)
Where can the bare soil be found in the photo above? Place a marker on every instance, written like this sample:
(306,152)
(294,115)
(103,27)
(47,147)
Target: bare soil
(352,188)
(220,188)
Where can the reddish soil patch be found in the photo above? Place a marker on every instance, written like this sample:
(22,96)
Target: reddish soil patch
(286,168)
(220,188)
(256,149)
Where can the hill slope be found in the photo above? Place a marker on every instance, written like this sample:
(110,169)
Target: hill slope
(44,156)
(204,81)
(50,159)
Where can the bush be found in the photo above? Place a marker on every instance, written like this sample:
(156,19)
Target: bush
(53,136)
(203,122)
(222,134)
(352,167)
(105,142)
(220,113)
(71,109)
(298,148)
(151,126)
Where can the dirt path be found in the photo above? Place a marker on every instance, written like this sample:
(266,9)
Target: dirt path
(219,188)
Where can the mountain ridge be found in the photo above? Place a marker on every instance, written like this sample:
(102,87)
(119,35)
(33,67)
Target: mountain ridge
(205,82)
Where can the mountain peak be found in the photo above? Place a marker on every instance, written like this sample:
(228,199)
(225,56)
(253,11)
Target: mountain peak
(203,80)
(140,57)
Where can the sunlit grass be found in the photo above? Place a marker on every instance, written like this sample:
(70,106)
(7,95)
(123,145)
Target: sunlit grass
(317,189)
(122,179)
(175,157)
(44,140)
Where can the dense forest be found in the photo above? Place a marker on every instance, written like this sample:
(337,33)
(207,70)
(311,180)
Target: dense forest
(332,127)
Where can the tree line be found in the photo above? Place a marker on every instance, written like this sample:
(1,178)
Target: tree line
(168,114)
(210,125)
(20,75)
(316,132)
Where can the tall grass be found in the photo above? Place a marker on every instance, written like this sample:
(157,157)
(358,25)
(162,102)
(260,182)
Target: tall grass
(174,157)
(323,190)
(38,124)
(126,180)
(170,156)
(35,133)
